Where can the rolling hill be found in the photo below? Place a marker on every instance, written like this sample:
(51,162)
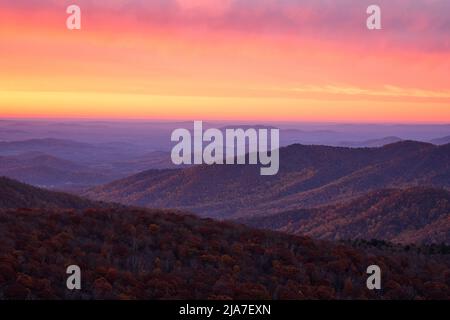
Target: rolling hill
(415,215)
(48,171)
(372,143)
(155,254)
(133,253)
(14,194)
(309,176)
(71,165)
(441,141)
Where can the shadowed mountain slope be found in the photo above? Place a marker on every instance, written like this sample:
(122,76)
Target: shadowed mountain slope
(415,215)
(14,194)
(309,176)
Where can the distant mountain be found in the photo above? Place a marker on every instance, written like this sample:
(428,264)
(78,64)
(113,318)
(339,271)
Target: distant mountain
(415,215)
(33,157)
(49,171)
(71,165)
(74,151)
(373,143)
(14,194)
(154,160)
(246,127)
(155,254)
(309,176)
(40,144)
(310,137)
(441,141)
(154,134)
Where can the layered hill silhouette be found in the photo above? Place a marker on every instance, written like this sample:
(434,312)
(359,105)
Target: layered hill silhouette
(132,253)
(441,141)
(48,171)
(155,254)
(309,176)
(415,215)
(14,194)
(71,165)
(372,143)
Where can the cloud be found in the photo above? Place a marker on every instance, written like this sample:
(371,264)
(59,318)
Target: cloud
(385,91)
(421,25)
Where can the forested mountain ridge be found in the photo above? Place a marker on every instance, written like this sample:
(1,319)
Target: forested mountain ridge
(309,176)
(414,215)
(14,194)
(155,254)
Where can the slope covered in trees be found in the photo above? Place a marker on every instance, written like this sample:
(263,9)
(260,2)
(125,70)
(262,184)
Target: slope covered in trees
(142,254)
(14,194)
(415,215)
(309,176)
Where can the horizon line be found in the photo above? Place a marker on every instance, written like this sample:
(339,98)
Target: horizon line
(256,121)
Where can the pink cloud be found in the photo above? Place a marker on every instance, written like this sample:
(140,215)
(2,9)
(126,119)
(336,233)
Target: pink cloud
(421,25)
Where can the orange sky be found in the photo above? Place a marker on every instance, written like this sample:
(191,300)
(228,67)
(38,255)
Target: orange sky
(222,60)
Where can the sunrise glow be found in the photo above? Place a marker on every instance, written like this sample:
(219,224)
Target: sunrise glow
(283,60)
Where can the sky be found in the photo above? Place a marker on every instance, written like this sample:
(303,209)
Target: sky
(283,60)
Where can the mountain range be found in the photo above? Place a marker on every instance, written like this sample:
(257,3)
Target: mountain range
(441,141)
(48,171)
(309,176)
(372,143)
(71,165)
(414,215)
(14,194)
(309,232)
(136,253)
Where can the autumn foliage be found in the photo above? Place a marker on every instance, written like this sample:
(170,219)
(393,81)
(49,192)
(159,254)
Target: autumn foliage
(145,254)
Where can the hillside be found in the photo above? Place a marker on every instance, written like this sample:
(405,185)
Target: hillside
(372,143)
(415,215)
(143,254)
(309,176)
(71,165)
(441,141)
(14,194)
(48,171)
